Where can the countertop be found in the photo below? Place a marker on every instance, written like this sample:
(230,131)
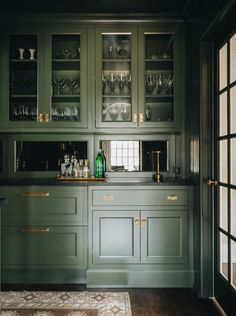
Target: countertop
(110,182)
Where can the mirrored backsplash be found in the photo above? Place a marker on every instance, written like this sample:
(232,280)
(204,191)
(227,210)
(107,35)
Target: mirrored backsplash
(135,155)
(47,155)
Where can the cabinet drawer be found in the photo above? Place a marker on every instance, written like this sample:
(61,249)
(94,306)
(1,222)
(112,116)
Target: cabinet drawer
(139,197)
(46,204)
(47,245)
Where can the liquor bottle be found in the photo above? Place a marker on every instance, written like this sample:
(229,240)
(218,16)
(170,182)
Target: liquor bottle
(100,165)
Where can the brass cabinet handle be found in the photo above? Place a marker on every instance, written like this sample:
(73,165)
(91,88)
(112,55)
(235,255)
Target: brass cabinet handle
(143,221)
(46,117)
(108,197)
(172,197)
(136,221)
(35,194)
(40,118)
(140,117)
(135,117)
(34,230)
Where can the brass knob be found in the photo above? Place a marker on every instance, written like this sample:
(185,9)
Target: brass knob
(46,117)
(136,221)
(40,118)
(140,117)
(212,182)
(143,221)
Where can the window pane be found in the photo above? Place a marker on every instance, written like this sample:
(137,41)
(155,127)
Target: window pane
(224,255)
(233,59)
(223,66)
(223,114)
(233,263)
(233,160)
(233,109)
(223,166)
(224,208)
(233,212)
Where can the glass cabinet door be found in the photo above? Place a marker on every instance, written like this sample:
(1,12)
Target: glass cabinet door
(158,91)
(65,85)
(116,79)
(23,78)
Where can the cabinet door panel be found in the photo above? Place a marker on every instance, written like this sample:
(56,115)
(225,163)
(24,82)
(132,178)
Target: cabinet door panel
(164,237)
(44,246)
(115,237)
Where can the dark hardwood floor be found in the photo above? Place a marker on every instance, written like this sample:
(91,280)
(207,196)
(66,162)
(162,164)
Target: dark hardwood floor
(145,302)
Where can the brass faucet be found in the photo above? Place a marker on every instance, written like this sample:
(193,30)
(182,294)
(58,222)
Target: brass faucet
(157,176)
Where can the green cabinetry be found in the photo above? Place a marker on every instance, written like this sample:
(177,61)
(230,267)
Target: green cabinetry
(143,233)
(44,229)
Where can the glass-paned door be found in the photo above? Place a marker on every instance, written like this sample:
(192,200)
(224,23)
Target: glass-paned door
(159,77)
(116,75)
(23,77)
(225,227)
(66,79)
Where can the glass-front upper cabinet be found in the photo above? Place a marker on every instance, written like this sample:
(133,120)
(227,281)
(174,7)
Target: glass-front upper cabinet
(44,74)
(21,61)
(116,73)
(159,75)
(66,80)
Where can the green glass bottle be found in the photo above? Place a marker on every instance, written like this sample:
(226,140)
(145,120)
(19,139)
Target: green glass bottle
(100,164)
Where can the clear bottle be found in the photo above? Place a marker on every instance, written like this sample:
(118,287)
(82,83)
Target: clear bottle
(86,169)
(81,168)
(100,165)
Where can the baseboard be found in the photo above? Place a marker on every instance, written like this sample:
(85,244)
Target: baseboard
(139,279)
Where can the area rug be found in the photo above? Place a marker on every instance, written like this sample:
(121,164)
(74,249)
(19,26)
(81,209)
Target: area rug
(84,303)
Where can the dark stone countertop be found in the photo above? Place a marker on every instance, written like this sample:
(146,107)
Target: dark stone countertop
(110,182)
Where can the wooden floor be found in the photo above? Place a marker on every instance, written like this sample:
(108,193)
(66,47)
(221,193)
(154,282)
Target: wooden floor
(147,302)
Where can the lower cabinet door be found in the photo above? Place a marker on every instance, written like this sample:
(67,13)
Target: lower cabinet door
(116,236)
(63,246)
(164,237)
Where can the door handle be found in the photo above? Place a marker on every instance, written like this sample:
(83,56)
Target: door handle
(212,182)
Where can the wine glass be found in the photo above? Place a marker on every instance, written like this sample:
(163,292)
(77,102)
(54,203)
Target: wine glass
(113,113)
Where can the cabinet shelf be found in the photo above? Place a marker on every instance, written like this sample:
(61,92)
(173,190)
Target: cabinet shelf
(23,60)
(158,60)
(68,96)
(66,60)
(159,96)
(116,60)
(117,96)
(23,96)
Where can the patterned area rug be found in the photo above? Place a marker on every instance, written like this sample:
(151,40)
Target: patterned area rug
(82,303)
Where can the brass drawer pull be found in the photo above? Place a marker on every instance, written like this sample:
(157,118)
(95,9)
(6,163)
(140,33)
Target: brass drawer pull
(172,197)
(35,194)
(34,230)
(108,198)
(135,117)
